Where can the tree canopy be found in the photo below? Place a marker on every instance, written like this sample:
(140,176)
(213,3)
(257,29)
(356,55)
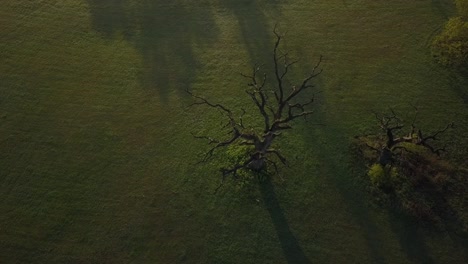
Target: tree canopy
(450,48)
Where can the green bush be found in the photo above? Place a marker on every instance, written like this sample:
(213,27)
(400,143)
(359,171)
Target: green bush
(377,174)
(450,48)
(382,176)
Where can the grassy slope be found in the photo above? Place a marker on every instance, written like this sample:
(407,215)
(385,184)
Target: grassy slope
(96,160)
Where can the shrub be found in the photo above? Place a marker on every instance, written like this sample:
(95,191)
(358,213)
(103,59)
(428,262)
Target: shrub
(450,48)
(377,174)
(385,178)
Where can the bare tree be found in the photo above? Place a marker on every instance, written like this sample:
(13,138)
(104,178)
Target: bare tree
(391,124)
(277,108)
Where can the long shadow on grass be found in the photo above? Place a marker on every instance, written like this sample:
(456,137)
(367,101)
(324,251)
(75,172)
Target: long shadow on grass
(330,145)
(255,25)
(410,239)
(291,248)
(459,83)
(166,33)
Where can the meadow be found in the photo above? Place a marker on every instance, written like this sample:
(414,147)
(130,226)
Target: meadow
(97,160)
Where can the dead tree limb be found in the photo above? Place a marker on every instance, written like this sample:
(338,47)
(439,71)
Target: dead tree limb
(391,124)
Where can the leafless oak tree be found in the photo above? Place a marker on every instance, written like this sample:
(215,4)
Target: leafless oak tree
(391,124)
(277,106)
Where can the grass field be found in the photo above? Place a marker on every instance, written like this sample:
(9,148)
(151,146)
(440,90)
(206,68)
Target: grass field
(97,159)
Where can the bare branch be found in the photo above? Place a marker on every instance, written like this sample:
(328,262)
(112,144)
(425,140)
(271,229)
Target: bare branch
(237,167)
(372,148)
(274,165)
(210,139)
(286,66)
(423,141)
(203,101)
(295,91)
(435,134)
(278,75)
(413,123)
(226,143)
(257,90)
(241,122)
(280,157)
(389,124)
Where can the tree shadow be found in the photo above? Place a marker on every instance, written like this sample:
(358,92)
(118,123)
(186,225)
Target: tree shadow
(409,236)
(330,143)
(459,82)
(450,217)
(441,217)
(166,33)
(289,244)
(255,27)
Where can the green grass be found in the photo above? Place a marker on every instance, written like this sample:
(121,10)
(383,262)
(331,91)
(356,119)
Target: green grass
(97,160)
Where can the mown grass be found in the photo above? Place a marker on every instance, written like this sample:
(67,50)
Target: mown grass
(97,160)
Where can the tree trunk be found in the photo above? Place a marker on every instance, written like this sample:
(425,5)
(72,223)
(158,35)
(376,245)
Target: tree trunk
(385,157)
(257,164)
(261,150)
